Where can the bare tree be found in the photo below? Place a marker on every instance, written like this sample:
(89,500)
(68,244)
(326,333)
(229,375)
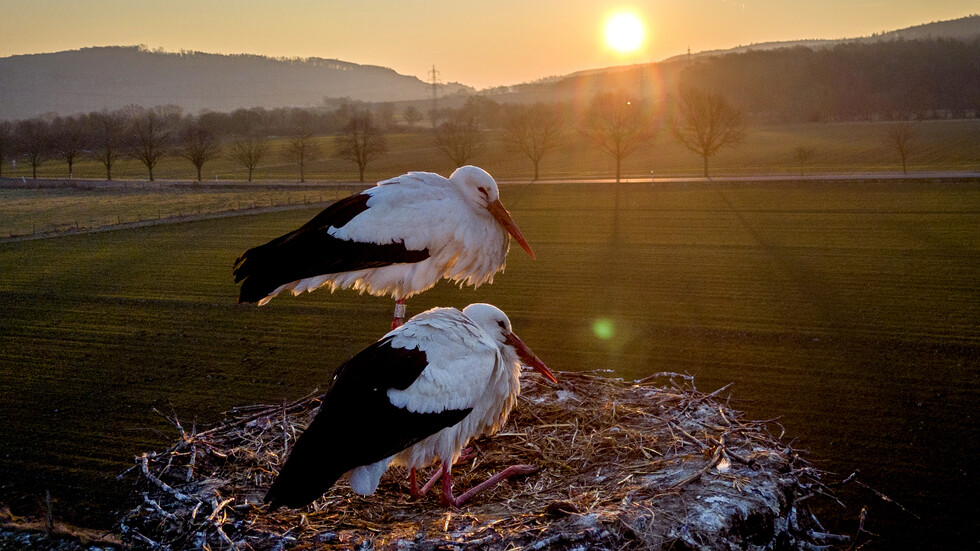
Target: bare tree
(900,137)
(436,115)
(302,148)
(150,139)
(33,140)
(6,142)
(706,123)
(67,141)
(458,139)
(248,152)
(483,110)
(618,125)
(803,155)
(534,131)
(361,141)
(198,145)
(412,116)
(107,138)
(385,115)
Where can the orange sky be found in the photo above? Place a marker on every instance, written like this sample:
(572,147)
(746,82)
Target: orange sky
(478,43)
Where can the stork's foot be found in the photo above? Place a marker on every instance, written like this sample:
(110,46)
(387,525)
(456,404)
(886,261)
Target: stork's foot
(413,485)
(465,455)
(447,484)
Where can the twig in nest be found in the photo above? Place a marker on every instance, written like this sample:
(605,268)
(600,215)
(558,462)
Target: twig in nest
(660,374)
(193,459)
(217,507)
(156,507)
(285,432)
(144,462)
(224,537)
(699,443)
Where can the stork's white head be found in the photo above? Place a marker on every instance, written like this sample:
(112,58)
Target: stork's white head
(478,187)
(476,184)
(496,324)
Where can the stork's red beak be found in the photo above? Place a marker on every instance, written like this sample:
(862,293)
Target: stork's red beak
(498,211)
(528,358)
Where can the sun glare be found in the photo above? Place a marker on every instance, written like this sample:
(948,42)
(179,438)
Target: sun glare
(624,32)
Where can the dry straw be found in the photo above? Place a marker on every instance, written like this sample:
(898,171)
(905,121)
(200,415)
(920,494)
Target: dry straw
(646,464)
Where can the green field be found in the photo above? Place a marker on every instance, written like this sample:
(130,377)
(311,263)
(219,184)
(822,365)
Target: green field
(29,211)
(850,310)
(838,147)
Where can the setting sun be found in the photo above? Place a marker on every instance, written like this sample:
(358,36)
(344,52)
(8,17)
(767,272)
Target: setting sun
(624,32)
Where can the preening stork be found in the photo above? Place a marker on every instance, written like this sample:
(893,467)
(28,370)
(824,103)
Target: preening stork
(397,238)
(417,395)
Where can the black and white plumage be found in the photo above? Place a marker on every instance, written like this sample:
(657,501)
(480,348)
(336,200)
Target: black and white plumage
(397,238)
(418,394)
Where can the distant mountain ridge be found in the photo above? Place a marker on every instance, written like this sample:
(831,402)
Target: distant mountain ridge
(111,77)
(964,28)
(924,71)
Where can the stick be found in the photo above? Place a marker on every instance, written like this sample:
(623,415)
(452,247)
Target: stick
(285,432)
(671,374)
(163,485)
(700,444)
(217,507)
(156,506)
(225,537)
(190,463)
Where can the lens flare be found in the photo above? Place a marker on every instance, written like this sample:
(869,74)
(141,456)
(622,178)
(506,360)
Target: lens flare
(603,328)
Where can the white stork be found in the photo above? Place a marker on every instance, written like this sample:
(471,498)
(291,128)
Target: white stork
(397,238)
(418,394)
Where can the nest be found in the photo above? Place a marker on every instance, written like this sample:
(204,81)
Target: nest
(646,464)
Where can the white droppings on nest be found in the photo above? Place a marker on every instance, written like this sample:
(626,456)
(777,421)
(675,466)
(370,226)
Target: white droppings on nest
(566,396)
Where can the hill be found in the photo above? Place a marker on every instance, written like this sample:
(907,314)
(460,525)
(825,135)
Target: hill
(964,28)
(92,79)
(926,71)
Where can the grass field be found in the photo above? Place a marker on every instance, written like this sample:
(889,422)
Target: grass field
(850,310)
(838,147)
(26,211)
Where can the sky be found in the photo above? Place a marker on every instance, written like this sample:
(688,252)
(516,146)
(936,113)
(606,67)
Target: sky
(480,43)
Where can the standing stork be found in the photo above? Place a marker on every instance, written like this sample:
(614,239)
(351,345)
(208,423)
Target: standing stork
(397,238)
(418,394)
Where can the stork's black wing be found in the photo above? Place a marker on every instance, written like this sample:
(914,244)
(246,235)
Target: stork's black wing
(310,251)
(357,424)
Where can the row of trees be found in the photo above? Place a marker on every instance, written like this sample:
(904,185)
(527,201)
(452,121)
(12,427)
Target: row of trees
(149,135)
(615,122)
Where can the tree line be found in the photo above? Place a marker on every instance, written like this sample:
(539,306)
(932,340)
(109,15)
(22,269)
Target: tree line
(150,134)
(616,123)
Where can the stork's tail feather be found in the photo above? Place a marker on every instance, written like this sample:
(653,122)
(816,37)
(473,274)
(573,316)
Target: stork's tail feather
(255,284)
(292,493)
(309,471)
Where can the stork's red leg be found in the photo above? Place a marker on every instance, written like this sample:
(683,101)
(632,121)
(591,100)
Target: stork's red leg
(432,482)
(467,454)
(399,317)
(447,483)
(447,486)
(413,484)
